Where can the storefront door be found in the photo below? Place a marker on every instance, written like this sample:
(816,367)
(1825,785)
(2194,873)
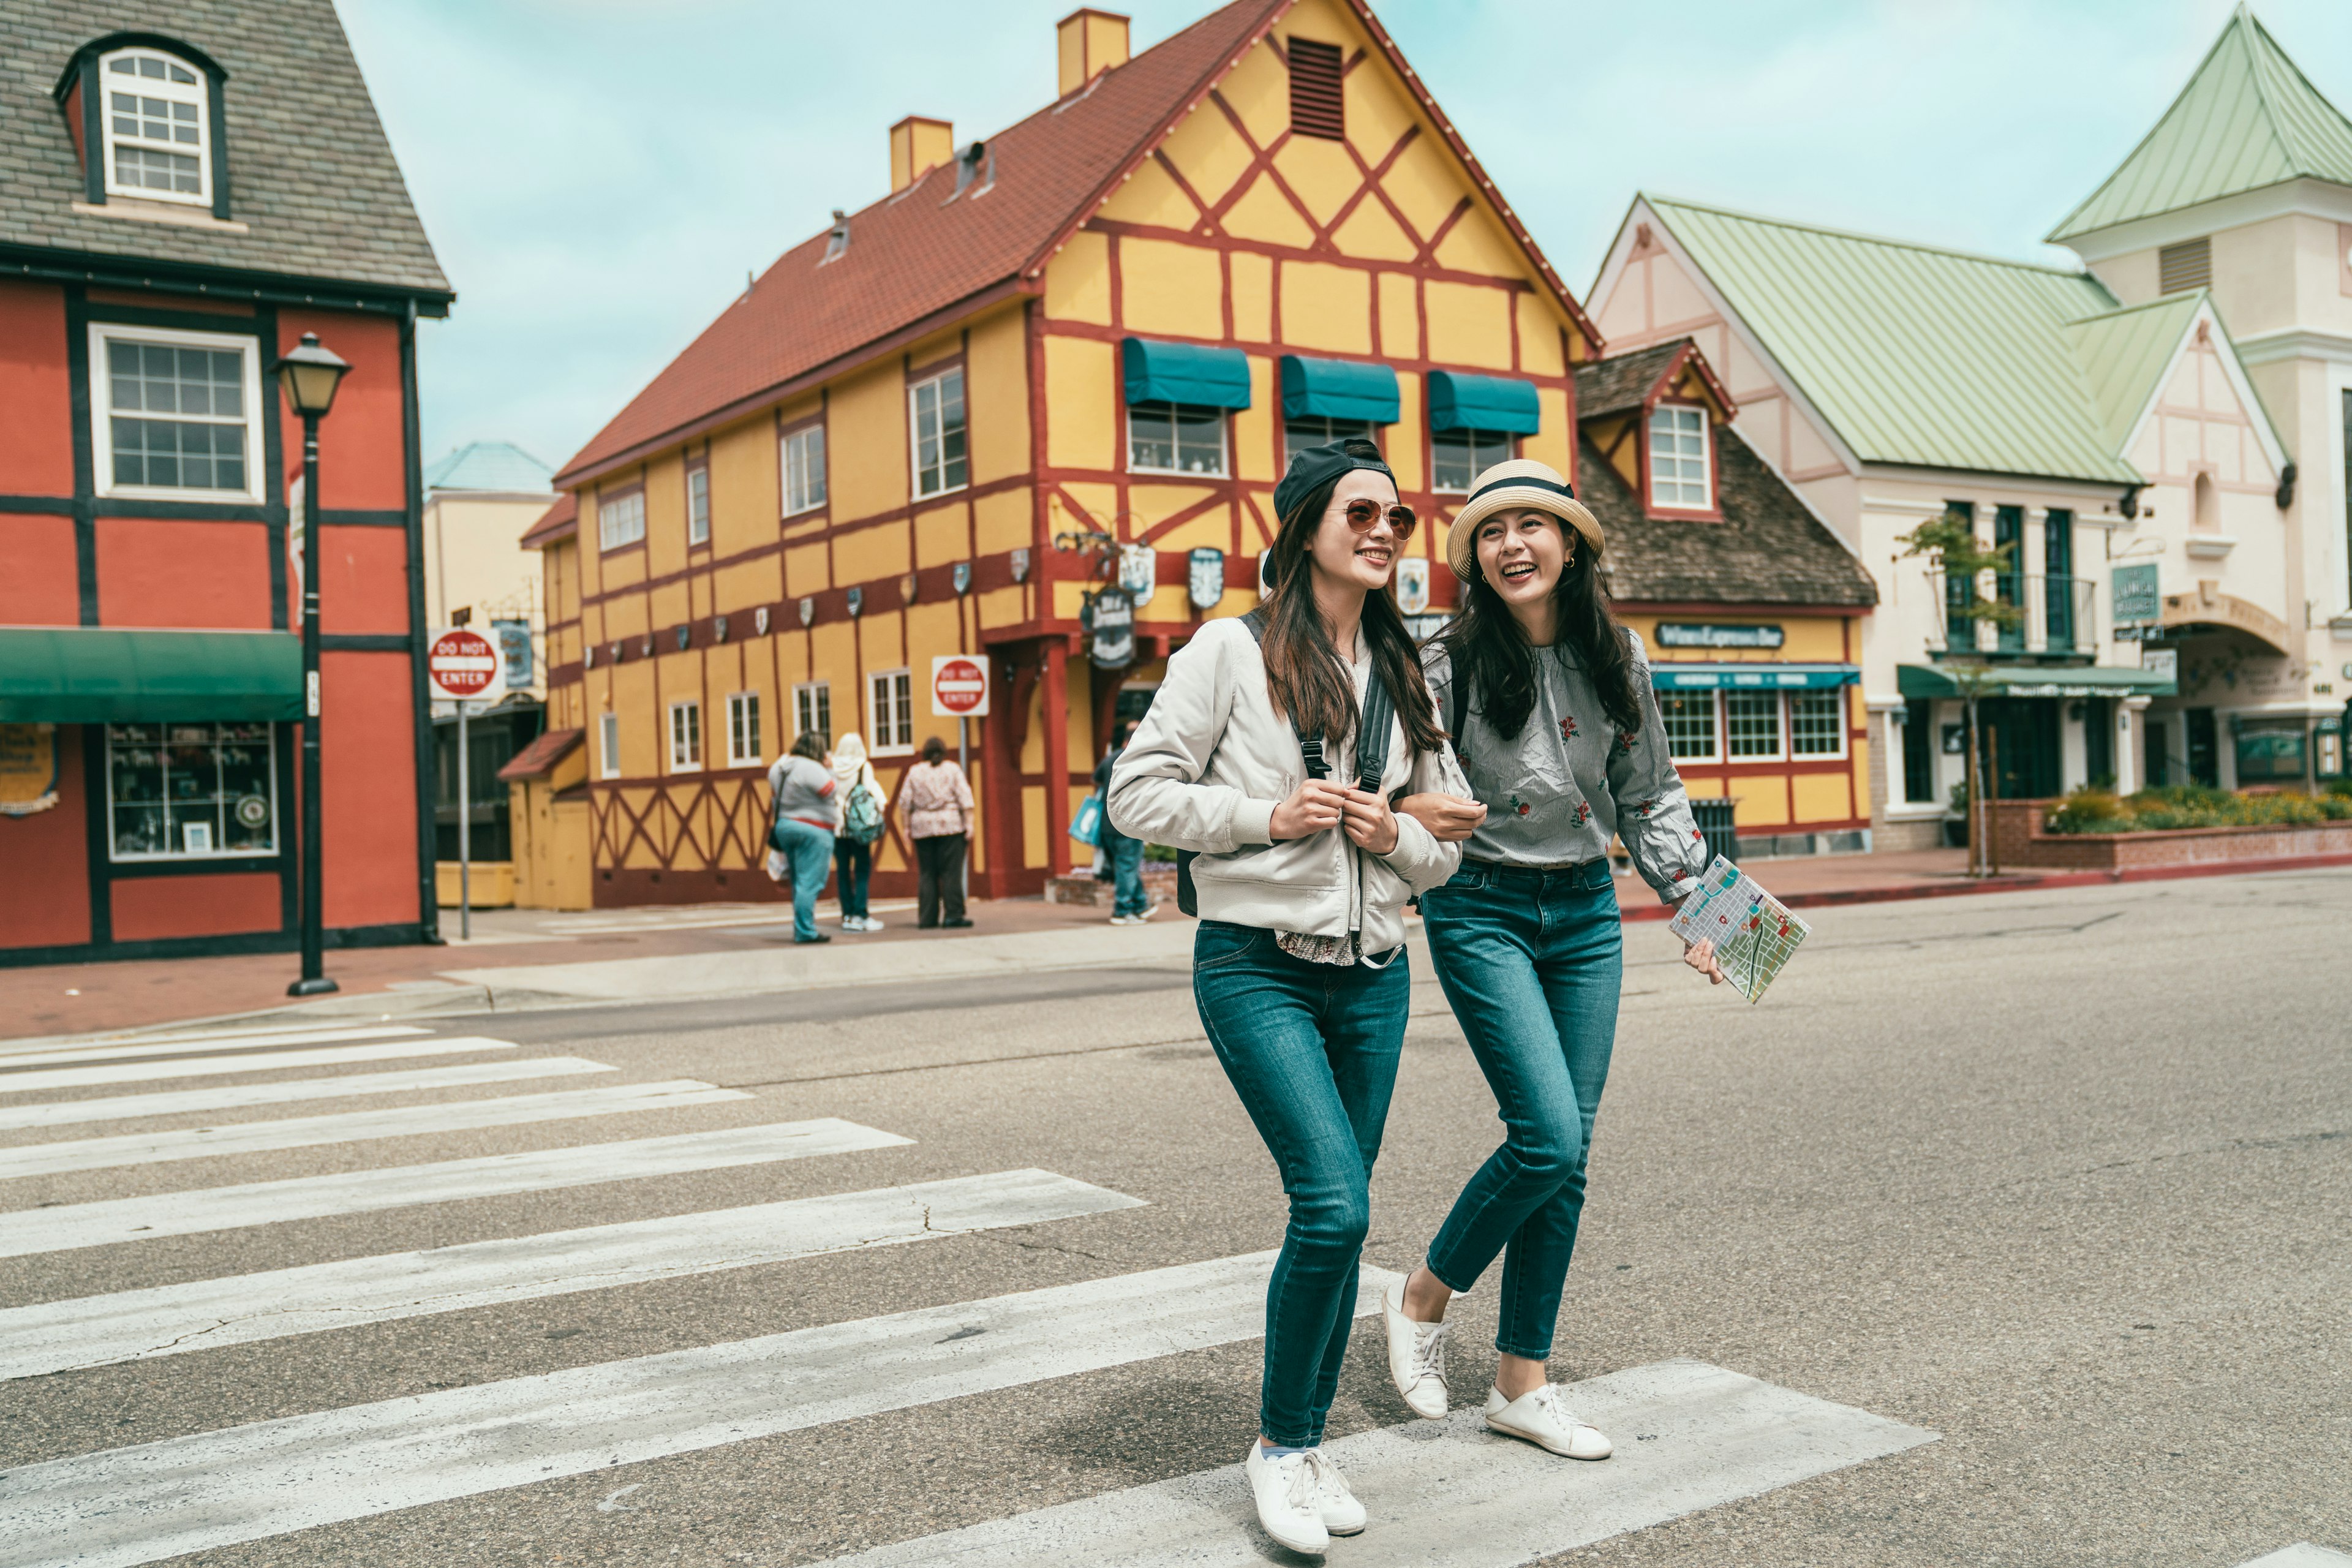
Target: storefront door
(2019,737)
(2204,751)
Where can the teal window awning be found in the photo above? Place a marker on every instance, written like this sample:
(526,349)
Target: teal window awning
(1337,389)
(99,675)
(1459,401)
(1184,373)
(1682,676)
(2076,680)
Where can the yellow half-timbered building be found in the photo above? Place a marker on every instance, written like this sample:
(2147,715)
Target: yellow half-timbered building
(1080,347)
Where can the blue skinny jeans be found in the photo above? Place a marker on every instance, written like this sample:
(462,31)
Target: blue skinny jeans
(1532,962)
(1312,1050)
(1126,856)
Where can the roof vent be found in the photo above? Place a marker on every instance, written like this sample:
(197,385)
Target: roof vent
(2186,266)
(1318,104)
(918,145)
(838,240)
(974,165)
(1087,43)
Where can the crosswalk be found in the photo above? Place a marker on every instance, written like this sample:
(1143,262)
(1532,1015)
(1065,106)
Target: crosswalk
(1706,1435)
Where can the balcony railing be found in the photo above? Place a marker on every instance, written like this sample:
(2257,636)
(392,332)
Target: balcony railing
(2056,617)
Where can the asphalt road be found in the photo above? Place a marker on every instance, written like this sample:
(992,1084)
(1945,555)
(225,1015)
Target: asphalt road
(2064,1177)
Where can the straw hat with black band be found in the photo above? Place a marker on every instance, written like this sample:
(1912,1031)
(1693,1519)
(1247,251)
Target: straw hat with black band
(1522,481)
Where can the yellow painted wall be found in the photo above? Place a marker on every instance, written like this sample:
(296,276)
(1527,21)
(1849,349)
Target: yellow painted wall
(996,383)
(1171,288)
(866,441)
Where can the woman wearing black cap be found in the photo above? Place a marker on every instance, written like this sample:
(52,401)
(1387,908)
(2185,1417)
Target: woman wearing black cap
(1301,880)
(1549,703)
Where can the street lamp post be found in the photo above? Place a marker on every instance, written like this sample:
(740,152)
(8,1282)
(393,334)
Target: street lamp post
(308,376)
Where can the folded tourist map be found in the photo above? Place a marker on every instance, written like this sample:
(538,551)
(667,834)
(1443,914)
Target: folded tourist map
(1753,934)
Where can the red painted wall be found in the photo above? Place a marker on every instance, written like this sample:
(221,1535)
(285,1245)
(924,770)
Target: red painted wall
(36,394)
(367,765)
(37,583)
(362,465)
(182,573)
(148,908)
(46,857)
(363,580)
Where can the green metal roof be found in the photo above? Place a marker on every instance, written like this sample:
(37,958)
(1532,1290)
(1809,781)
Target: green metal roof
(488,466)
(80,675)
(1921,356)
(2247,118)
(2123,352)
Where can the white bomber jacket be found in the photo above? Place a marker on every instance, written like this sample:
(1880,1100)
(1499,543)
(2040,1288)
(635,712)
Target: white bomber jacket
(1212,758)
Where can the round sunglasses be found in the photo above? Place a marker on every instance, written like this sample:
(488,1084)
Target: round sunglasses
(1364,511)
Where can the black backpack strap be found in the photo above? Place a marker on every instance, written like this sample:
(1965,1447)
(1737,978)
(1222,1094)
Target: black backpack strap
(1310,747)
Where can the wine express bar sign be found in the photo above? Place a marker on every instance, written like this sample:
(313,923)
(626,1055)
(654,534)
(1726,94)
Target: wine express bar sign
(1690,635)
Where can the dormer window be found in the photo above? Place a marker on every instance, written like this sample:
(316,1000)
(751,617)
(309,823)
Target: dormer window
(1681,476)
(154,122)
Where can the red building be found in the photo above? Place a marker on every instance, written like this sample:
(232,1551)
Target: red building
(188,192)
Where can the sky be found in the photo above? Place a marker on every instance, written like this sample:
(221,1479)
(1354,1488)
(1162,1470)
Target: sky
(600,177)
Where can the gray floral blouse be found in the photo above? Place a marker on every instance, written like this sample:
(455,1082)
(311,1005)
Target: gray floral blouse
(1556,793)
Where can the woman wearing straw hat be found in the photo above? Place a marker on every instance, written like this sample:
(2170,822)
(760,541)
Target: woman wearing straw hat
(1548,701)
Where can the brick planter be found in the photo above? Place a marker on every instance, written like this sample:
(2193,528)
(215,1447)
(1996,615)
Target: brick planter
(1159,885)
(2022,841)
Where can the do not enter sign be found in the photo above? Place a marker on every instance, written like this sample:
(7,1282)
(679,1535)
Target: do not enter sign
(958,687)
(463,666)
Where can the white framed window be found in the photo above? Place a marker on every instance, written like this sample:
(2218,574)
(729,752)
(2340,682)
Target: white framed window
(1319,430)
(936,406)
(1691,733)
(1817,723)
(190,791)
(608,744)
(890,712)
(685,737)
(621,519)
(1176,438)
(812,711)
(1752,719)
(1458,456)
(156,121)
(1680,475)
(742,729)
(803,469)
(176,415)
(697,502)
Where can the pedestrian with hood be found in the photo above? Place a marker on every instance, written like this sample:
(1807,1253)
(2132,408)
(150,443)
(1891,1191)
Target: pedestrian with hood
(1268,757)
(1548,701)
(937,799)
(863,805)
(1129,904)
(806,813)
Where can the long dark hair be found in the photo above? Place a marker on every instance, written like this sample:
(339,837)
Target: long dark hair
(1488,650)
(1304,674)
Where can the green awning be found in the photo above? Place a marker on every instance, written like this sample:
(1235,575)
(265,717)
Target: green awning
(1458,402)
(1184,373)
(97,674)
(2078,681)
(1667,676)
(1337,389)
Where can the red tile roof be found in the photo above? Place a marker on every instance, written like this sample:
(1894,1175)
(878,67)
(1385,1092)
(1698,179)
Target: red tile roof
(560,521)
(538,759)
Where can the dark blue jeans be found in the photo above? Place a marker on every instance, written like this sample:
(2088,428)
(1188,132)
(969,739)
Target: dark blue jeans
(1312,1050)
(1532,961)
(809,848)
(853,863)
(1125,858)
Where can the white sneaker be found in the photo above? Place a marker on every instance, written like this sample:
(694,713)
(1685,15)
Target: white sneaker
(1286,1490)
(869,923)
(1334,1502)
(1416,1356)
(1125,920)
(1541,1417)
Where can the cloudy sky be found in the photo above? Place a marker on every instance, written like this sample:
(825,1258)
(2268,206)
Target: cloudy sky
(599,176)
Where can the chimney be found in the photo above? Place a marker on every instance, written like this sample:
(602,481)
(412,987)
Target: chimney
(916,146)
(1090,43)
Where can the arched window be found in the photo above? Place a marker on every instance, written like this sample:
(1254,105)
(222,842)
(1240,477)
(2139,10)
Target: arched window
(154,119)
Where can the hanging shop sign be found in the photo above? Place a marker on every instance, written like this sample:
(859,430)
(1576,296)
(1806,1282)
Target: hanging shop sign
(2133,593)
(1110,615)
(1685,634)
(2161,661)
(1204,578)
(29,768)
(1138,572)
(1412,585)
(513,638)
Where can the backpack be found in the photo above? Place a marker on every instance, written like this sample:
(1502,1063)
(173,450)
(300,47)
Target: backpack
(1371,756)
(861,814)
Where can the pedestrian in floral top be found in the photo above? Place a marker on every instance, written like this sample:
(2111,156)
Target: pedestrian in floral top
(937,799)
(1549,704)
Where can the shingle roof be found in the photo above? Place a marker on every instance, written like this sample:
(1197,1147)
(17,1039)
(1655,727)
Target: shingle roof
(1916,355)
(2247,118)
(1769,548)
(312,175)
(1623,381)
(560,521)
(538,759)
(488,466)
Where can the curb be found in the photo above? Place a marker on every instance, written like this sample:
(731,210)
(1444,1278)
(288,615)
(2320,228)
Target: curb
(2011,882)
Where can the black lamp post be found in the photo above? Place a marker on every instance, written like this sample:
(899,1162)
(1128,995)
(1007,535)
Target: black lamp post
(308,376)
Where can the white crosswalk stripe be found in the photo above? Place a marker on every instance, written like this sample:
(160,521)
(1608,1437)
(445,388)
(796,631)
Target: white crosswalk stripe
(103,1223)
(247,1483)
(167,1045)
(243,1096)
(354,1127)
(260,1062)
(1688,1437)
(174,1319)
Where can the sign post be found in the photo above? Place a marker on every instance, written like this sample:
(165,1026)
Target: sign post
(460,666)
(960,691)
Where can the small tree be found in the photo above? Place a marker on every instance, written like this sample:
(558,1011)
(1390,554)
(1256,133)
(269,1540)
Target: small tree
(1952,540)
